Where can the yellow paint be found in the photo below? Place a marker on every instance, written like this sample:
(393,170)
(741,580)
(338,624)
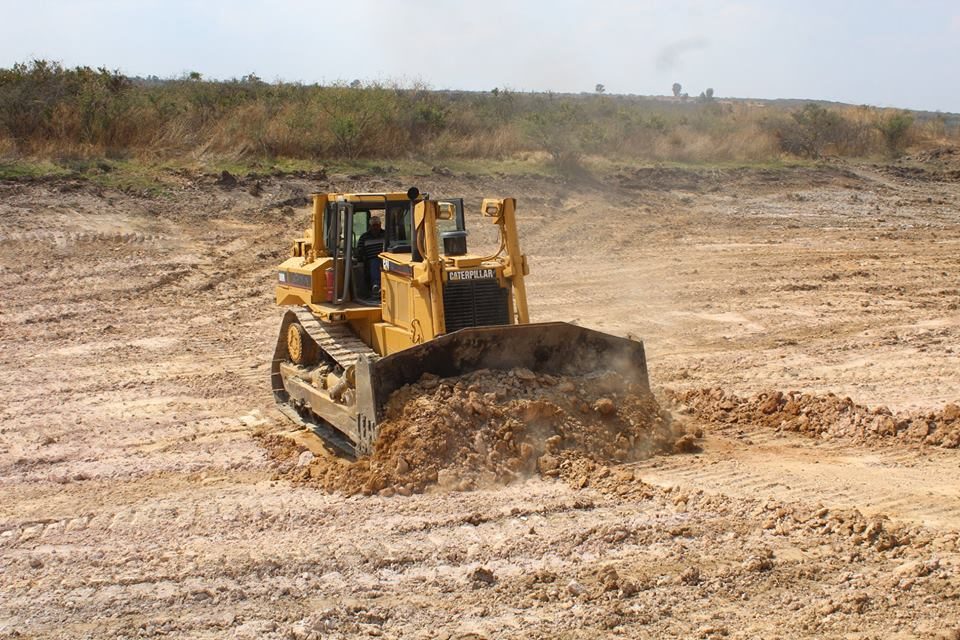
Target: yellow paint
(288,293)
(390,339)
(465,262)
(411,309)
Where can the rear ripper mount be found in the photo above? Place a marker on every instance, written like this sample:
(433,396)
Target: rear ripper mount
(556,348)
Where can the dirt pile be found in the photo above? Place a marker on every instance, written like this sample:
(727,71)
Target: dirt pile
(824,416)
(931,165)
(943,157)
(494,427)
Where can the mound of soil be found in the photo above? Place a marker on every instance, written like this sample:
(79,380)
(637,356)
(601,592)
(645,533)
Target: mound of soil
(494,427)
(942,157)
(821,416)
(941,164)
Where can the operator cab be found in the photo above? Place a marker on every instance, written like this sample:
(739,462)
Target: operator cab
(361,281)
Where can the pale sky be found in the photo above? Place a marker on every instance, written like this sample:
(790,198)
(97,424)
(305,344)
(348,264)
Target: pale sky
(891,53)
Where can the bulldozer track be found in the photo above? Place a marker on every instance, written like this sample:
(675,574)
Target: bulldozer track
(340,344)
(336,340)
(910,486)
(546,502)
(66,238)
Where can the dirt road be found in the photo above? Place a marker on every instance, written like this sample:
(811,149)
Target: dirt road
(135,336)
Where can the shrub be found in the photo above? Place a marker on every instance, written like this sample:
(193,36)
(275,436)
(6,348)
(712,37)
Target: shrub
(811,130)
(565,132)
(895,130)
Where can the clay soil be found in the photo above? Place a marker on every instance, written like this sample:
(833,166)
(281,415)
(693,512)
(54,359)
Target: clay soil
(138,500)
(487,428)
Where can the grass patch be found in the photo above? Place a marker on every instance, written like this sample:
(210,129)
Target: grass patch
(31,170)
(130,176)
(251,166)
(126,175)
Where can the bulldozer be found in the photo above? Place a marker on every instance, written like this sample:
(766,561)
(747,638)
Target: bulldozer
(361,323)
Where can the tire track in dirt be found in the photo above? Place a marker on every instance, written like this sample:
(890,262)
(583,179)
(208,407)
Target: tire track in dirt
(165,536)
(914,486)
(62,239)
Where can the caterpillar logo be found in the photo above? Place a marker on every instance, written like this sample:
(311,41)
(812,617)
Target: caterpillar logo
(472,274)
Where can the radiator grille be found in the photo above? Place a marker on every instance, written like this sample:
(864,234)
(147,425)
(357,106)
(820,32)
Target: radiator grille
(475,303)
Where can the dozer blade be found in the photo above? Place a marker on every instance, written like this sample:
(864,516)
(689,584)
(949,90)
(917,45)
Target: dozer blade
(555,347)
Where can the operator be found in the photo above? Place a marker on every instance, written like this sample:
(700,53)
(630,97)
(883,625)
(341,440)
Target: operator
(369,248)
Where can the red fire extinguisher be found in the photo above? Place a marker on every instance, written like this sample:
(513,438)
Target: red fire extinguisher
(330,285)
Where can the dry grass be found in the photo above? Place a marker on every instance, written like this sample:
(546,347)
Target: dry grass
(48,112)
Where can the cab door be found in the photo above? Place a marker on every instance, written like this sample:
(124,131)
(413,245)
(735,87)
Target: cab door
(340,245)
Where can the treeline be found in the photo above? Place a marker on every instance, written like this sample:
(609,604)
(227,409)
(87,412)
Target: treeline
(50,111)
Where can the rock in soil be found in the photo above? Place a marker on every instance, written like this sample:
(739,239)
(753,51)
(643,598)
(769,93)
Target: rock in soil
(494,427)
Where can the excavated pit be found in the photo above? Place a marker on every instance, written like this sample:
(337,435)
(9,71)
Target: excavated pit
(493,427)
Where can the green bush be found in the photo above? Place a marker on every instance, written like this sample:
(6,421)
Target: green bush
(895,130)
(811,130)
(563,130)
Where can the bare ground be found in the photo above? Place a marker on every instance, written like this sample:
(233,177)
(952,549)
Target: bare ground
(135,337)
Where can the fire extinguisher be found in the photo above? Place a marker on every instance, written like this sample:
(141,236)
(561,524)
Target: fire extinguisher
(330,285)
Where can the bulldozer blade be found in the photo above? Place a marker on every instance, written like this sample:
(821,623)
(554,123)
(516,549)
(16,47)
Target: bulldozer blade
(556,348)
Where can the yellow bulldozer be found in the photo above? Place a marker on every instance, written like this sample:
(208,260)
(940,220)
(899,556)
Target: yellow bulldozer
(381,290)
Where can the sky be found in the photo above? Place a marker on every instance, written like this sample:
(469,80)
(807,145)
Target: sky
(889,53)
